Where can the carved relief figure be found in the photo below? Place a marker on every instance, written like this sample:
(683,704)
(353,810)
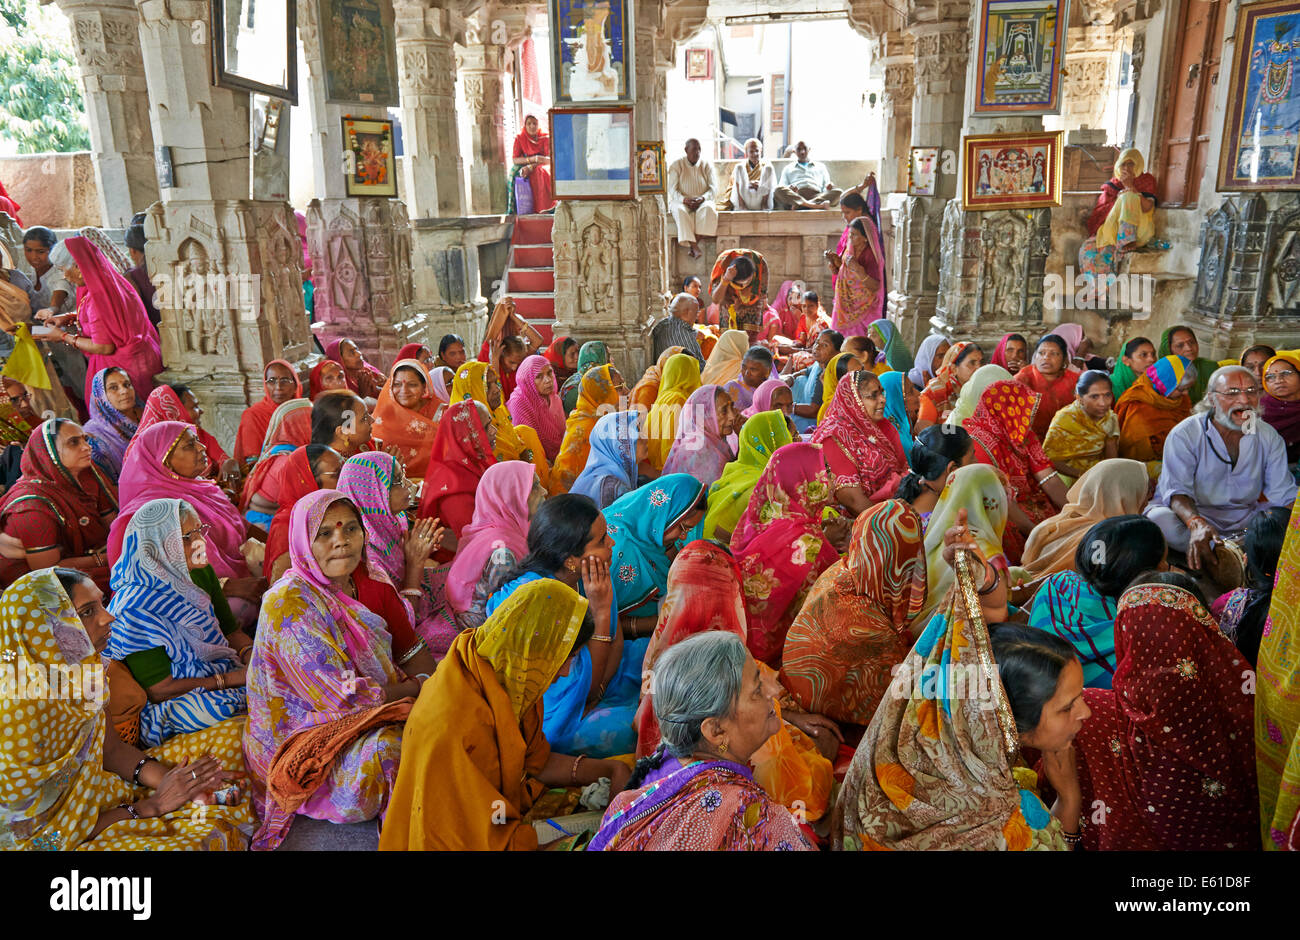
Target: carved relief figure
(1002,272)
(595,273)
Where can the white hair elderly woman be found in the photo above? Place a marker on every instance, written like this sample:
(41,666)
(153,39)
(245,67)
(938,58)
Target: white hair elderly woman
(697,792)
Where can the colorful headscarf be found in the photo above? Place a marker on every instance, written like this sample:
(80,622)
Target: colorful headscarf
(763,397)
(760,437)
(545,415)
(981,491)
(1078,613)
(412,351)
(554,354)
(884,335)
(699,449)
(750,300)
(365,381)
(598,397)
(470,384)
(647,388)
(410,430)
(830,382)
(108,429)
(500,521)
(1204,367)
(253,422)
(896,409)
(920,373)
(295,480)
(874,447)
(724,362)
(1165,374)
(289,429)
(942,390)
(1283,416)
(461,454)
(681,378)
(613,454)
(316,378)
(789,318)
(969,396)
(592,354)
(366,479)
(163,404)
(999,357)
(637,523)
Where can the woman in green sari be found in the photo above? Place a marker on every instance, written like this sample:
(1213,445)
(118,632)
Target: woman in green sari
(759,438)
(592,354)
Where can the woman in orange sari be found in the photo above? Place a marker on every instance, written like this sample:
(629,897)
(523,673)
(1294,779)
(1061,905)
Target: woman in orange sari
(404,415)
(646,390)
(1151,406)
(598,395)
(1050,375)
(478,381)
(939,397)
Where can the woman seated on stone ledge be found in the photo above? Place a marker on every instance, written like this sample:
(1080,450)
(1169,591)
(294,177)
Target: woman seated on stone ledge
(1123,219)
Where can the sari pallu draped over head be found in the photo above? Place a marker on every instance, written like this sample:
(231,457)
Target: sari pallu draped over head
(1054,394)
(647,388)
(597,399)
(592,354)
(1074,610)
(1077,438)
(637,523)
(1204,367)
(981,491)
(612,458)
(969,396)
(108,429)
(145,477)
(470,384)
(939,395)
(749,303)
(896,409)
(366,479)
(681,378)
(256,419)
(410,430)
(474,738)
(1277,704)
(365,381)
(290,428)
(893,351)
(500,521)
(760,437)
(543,413)
(763,397)
(294,481)
(855,624)
(780,546)
(920,374)
(934,769)
(163,404)
(1284,416)
(1002,430)
(316,378)
(1150,408)
(999,357)
(861,452)
(724,362)
(54,785)
(319,657)
(1168,748)
(699,449)
(461,453)
(110,311)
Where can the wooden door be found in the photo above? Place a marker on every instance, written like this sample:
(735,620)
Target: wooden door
(1188,102)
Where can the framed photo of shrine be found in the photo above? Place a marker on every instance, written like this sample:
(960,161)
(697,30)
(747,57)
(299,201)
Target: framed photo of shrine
(1011,171)
(359,50)
(255,47)
(592,153)
(591,51)
(650,172)
(1020,46)
(368,163)
(923,171)
(1261,141)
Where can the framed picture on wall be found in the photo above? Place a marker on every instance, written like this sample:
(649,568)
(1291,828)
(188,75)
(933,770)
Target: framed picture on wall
(1261,141)
(592,153)
(255,47)
(368,157)
(699,64)
(591,50)
(1020,46)
(1011,171)
(650,172)
(923,171)
(359,49)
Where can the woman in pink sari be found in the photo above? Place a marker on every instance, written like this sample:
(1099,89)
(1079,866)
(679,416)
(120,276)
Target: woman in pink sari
(789,306)
(780,546)
(701,447)
(859,284)
(535,402)
(115,330)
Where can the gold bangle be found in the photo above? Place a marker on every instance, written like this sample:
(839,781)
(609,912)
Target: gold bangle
(221,682)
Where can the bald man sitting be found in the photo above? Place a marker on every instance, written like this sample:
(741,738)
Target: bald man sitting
(753,182)
(690,198)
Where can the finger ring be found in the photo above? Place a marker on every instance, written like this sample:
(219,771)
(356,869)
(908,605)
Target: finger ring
(193,775)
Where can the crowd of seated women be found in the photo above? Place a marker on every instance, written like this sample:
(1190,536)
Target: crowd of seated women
(700,608)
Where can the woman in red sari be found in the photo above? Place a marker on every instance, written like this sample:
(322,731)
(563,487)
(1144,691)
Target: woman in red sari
(1052,378)
(306,470)
(780,546)
(165,403)
(363,378)
(327,376)
(1170,748)
(1001,429)
(531,154)
(281,384)
(863,449)
(462,451)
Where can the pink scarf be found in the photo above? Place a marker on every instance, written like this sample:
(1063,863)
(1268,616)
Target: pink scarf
(500,521)
(763,397)
(698,448)
(144,478)
(545,415)
(109,310)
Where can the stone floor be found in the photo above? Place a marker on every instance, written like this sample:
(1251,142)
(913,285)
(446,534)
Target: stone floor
(314,835)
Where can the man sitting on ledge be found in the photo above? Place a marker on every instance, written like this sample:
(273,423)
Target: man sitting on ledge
(805,184)
(752,182)
(690,198)
(1221,466)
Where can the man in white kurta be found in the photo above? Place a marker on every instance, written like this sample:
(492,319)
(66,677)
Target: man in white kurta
(690,198)
(753,181)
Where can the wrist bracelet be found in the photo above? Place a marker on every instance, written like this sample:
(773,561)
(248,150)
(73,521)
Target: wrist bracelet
(221,681)
(135,775)
(596,637)
(997,578)
(573,774)
(411,592)
(130,810)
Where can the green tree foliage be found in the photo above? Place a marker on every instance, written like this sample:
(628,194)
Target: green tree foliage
(41,108)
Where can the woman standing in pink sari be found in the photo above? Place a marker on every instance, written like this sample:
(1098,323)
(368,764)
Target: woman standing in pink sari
(859,283)
(115,331)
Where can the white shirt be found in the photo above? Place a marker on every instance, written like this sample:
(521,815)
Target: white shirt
(753,200)
(688,180)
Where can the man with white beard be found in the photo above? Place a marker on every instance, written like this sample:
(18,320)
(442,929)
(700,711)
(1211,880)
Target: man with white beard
(1221,466)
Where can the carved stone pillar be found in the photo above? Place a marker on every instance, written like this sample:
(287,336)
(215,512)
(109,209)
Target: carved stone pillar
(485,62)
(106,39)
(900,86)
(426,63)
(228,268)
(1087,62)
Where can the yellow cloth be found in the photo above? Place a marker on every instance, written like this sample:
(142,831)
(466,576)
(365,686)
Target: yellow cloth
(724,362)
(647,389)
(473,746)
(470,383)
(26,364)
(1277,702)
(1128,209)
(1077,439)
(596,397)
(981,490)
(829,383)
(681,378)
(53,784)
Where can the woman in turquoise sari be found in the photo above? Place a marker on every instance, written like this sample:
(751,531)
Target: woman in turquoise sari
(589,709)
(592,354)
(902,403)
(1080,606)
(759,438)
(895,353)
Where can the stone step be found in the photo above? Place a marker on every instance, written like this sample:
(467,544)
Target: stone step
(532,256)
(534,305)
(533,230)
(530,280)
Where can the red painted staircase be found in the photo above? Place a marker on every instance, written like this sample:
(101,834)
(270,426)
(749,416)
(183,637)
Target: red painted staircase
(530,272)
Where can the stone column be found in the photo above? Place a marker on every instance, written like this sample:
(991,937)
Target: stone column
(360,247)
(426,64)
(227,268)
(106,39)
(485,64)
(900,86)
(1087,62)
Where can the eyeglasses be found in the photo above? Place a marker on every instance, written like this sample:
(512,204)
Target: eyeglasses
(280,382)
(200,531)
(1278,376)
(1248,392)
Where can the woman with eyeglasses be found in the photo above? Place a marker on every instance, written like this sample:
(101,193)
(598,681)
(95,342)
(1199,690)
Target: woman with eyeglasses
(281,384)
(1282,402)
(181,645)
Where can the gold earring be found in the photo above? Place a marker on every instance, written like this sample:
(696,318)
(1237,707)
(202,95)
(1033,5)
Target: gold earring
(722,748)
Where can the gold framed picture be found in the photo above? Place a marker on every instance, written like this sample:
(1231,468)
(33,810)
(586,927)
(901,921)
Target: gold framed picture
(1011,171)
(368,157)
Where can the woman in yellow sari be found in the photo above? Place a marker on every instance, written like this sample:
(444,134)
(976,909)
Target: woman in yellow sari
(681,378)
(1085,432)
(1277,704)
(647,389)
(67,779)
(474,758)
(724,362)
(479,381)
(598,395)
(832,375)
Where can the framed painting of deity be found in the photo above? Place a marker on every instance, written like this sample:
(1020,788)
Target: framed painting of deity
(359,49)
(591,51)
(1011,171)
(255,46)
(368,161)
(592,153)
(1261,142)
(922,171)
(699,65)
(650,172)
(1020,47)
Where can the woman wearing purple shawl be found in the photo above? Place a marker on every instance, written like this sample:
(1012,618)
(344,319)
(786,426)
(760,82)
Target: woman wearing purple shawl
(701,448)
(115,412)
